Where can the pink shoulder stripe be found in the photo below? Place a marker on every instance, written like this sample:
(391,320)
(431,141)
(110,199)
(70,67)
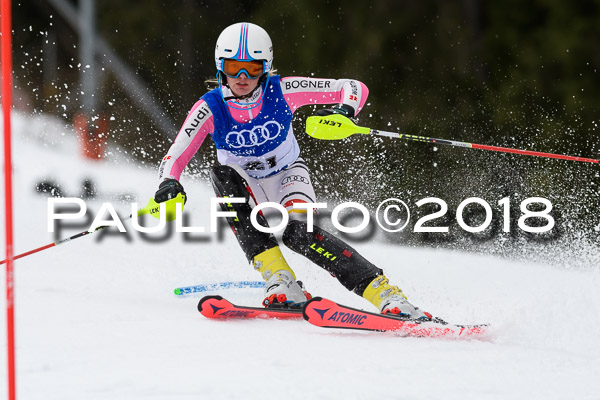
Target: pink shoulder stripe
(190,143)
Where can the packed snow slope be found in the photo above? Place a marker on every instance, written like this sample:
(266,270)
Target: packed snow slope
(97,319)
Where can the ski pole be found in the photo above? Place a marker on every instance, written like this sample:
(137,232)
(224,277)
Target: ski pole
(337,127)
(56,243)
(152,208)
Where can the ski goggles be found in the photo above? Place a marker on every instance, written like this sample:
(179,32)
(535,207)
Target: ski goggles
(234,68)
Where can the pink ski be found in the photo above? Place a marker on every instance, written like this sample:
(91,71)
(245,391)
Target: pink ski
(218,307)
(328,314)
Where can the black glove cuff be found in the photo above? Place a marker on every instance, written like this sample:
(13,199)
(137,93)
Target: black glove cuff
(167,190)
(344,109)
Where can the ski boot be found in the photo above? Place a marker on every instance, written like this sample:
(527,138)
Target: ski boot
(281,288)
(392,302)
(283,291)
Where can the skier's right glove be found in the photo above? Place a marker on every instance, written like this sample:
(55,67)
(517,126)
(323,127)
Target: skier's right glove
(344,109)
(169,189)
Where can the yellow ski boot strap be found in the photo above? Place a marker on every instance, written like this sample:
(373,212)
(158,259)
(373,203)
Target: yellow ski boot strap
(270,261)
(379,289)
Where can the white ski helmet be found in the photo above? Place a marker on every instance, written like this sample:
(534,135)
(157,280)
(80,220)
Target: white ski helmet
(244,42)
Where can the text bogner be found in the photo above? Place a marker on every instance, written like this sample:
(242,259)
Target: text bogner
(305,84)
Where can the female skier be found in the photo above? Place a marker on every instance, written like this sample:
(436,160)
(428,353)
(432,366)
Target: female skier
(249,119)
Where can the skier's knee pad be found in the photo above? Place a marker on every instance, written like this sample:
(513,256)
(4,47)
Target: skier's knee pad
(293,233)
(227,182)
(332,254)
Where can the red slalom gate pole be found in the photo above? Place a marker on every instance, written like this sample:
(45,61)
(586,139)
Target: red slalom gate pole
(6,58)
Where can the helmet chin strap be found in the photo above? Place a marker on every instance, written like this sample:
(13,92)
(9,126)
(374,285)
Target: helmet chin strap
(244,96)
(234,98)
